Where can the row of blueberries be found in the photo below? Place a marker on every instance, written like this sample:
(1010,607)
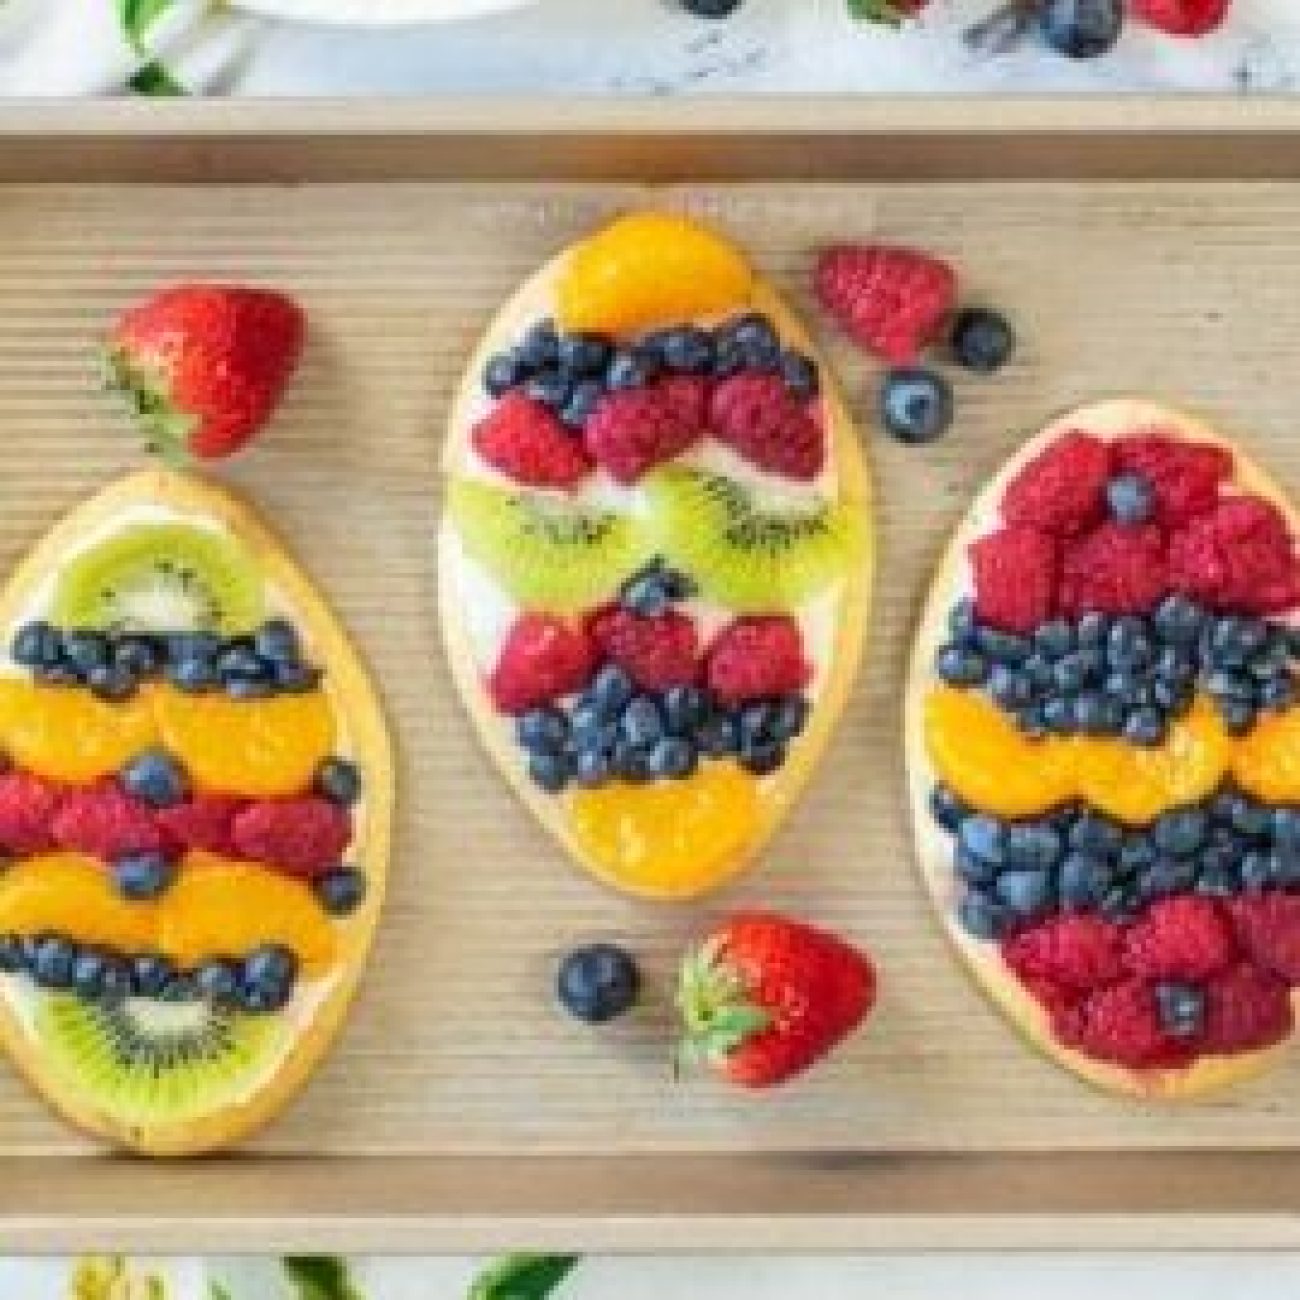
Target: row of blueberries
(1125,675)
(261,983)
(615,732)
(113,665)
(156,778)
(570,373)
(1076,859)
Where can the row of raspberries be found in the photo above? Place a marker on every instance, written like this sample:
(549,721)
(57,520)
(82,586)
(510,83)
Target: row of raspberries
(633,430)
(545,658)
(1099,980)
(1057,552)
(303,836)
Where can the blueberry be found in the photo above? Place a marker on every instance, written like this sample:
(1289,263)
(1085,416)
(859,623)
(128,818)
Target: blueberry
(1028,894)
(1233,641)
(1058,715)
(947,808)
(962,622)
(296,679)
(1039,672)
(1095,834)
(549,771)
(180,988)
(1181,1008)
(1258,870)
(87,974)
(240,662)
(758,341)
(654,589)
(584,398)
(37,645)
(192,674)
(799,374)
(1144,726)
(1136,854)
(193,645)
(984,837)
(631,763)
(1096,714)
(540,347)
(1285,869)
(140,876)
(504,371)
(593,767)
(1081,29)
(268,974)
(610,690)
(1070,673)
(86,650)
(598,982)
(762,758)
(338,780)
(718,736)
(1180,832)
(1248,818)
(155,778)
(1130,498)
(217,981)
(549,388)
(277,642)
(642,723)
(137,654)
(983,917)
(1277,694)
(150,974)
(981,340)
(1286,827)
(1238,716)
(688,350)
(12,959)
(1011,689)
(1218,880)
(1093,629)
(1054,640)
(1166,876)
(1224,684)
(1084,881)
(1003,647)
(340,891)
(711,8)
(50,961)
(728,356)
(590,729)
(583,355)
(542,731)
(110,682)
(672,759)
(630,368)
(1032,845)
(1127,644)
(916,405)
(789,717)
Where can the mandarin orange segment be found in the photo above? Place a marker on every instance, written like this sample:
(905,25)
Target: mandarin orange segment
(669,839)
(66,734)
(979,752)
(67,894)
(1136,784)
(650,269)
(258,748)
(1266,762)
(221,907)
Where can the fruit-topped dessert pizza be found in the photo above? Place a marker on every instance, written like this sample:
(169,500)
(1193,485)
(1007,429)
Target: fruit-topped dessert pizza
(1104,750)
(195,799)
(654,561)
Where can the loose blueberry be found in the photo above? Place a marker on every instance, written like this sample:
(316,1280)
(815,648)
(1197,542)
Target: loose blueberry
(1081,29)
(1219,880)
(140,876)
(916,405)
(960,665)
(1181,1009)
(711,8)
(1070,673)
(984,837)
(155,778)
(1130,498)
(241,662)
(598,983)
(799,374)
(982,917)
(340,891)
(982,340)
(182,987)
(339,781)
(542,731)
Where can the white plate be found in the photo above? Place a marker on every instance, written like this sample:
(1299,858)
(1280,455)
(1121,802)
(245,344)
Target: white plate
(376,13)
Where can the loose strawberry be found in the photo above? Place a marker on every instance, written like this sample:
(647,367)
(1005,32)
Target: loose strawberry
(205,365)
(893,301)
(1182,17)
(764,998)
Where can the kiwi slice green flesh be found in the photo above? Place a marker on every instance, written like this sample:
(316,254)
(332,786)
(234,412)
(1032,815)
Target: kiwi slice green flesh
(546,552)
(146,1062)
(746,557)
(161,578)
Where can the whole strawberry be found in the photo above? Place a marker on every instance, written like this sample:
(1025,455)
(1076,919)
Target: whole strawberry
(763,998)
(205,365)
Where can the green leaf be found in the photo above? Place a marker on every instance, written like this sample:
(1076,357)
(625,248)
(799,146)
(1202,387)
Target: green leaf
(138,16)
(320,1277)
(523,1277)
(154,79)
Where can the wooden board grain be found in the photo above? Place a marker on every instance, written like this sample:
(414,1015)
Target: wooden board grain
(1186,291)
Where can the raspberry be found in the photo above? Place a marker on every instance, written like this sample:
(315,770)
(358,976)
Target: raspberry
(1182,17)
(543,658)
(204,822)
(1063,489)
(688,396)
(1121,1024)
(656,652)
(1238,558)
(1014,571)
(1115,569)
(304,836)
(1064,1006)
(1182,938)
(1268,929)
(632,430)
(756,415)
(103,821)
(757,658)
(893,301)
(28,806)
(524,440)
(1245,1009)
(1185,476)
(1077,951)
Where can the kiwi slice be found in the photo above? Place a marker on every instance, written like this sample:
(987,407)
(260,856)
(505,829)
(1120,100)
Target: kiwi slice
(148,1063)
(744,556)
(161,578)
(547,552)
